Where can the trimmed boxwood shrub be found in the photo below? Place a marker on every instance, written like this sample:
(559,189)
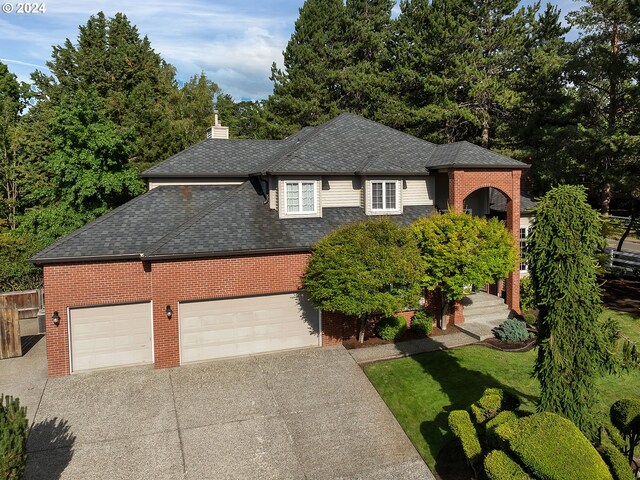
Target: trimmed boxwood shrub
(492,401)
(422,322)
(625,416)
(390,328)
(498,466)
(617,462)
(527,294)
(13,438)
(553,448)
(503,417)
(512,330)
(461,426)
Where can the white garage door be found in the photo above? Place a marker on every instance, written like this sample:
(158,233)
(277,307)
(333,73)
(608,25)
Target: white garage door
(241,326)
(110,336)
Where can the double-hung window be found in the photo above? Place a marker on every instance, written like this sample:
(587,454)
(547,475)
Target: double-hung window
(300,197)
(384,195)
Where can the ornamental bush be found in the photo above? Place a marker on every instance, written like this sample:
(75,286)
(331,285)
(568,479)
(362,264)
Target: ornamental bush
(461,426)
(13,438)
(552,447)
(527,294)
(390,328)
(493,400)
(499,466)
(505,416)
(617,462)
(512,330)
(625,416)
(422,322)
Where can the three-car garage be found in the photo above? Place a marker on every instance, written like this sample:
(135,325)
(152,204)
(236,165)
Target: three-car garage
(107,336)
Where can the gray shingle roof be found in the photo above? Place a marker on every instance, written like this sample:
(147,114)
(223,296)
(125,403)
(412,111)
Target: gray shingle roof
(132,228)
(177,221)
(465,154)
(344,145)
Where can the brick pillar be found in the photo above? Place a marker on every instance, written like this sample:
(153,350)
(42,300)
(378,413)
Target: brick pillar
(456,315)
(513,224)
(456,200)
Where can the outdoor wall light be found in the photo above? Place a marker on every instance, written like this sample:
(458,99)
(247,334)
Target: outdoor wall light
(56,318)
(169,312)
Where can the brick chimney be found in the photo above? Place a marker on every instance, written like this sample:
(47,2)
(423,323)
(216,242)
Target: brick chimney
(217,131)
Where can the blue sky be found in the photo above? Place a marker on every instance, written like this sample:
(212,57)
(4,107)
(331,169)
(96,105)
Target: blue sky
(233,42)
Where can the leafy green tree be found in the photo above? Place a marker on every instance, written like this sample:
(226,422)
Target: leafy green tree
(459,65)
(306,92)
(458,250)
(364,269)
(604,71)
(13,438)
(11,104)
(88,173)
(573,345)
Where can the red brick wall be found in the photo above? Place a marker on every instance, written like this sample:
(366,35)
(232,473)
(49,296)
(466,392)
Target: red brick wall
(165,283)
(83,284)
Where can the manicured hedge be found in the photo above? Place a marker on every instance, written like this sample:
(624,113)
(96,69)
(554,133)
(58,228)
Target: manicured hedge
(552,448)
(461,426)
(13,438)
(502,417)
(390,328)
(625,415)
(422,322)
(492,401)
(498,466)
(617,462)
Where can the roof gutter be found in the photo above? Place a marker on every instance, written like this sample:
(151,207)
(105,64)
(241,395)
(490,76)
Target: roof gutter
(93,258)
(524,166)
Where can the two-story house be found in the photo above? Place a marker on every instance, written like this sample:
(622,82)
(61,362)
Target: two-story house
(208,263)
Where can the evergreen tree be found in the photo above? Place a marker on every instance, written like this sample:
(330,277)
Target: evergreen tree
(573,346)
(307,91)
(604,71)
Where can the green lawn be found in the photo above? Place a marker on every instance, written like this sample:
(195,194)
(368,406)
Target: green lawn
(422,390)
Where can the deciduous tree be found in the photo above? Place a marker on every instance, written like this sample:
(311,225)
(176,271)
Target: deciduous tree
(364,269)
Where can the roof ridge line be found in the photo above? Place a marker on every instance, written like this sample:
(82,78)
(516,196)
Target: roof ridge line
(96,221)
(287,152)
(190,221)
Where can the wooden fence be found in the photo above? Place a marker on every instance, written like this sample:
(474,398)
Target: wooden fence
(628,261)
(10,345)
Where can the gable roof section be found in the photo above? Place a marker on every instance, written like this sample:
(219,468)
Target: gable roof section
(350,144)
(465,154)
(200,221)
(129,230)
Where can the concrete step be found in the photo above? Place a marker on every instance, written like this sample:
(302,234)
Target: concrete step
(485,309)
(479,331)
(481,299)
(486,317)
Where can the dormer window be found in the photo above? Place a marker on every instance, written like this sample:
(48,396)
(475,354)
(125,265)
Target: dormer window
(300,197)
(384,196)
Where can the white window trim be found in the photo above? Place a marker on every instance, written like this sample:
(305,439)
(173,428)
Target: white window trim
(522,261)
(384,196)
(299,184)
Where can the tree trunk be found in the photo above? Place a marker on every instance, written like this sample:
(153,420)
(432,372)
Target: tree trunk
(632,220)
(363,327)
(485,130)
(605,199)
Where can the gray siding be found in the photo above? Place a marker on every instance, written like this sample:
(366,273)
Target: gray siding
(418,191)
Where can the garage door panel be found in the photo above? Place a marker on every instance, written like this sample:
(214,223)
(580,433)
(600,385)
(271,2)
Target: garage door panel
(229,327)
(110,336)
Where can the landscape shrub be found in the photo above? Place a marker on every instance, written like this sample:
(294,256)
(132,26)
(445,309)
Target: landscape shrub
(512,330)
(505,416)
(527,294)
(617,462)
(499,466)
(461,426)
(492,401)
(422,322)
(625,416)
(13,438)
(552,447)
(530,318)
(390,328)
(614,271)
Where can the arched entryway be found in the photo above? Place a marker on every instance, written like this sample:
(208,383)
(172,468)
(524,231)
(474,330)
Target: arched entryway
(471,186)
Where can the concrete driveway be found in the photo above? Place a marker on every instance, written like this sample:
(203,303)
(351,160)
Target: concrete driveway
(304,414)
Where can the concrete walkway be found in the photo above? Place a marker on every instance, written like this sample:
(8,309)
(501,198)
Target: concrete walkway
(410,347)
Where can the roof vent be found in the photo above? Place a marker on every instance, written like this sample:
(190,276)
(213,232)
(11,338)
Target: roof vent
(217,131)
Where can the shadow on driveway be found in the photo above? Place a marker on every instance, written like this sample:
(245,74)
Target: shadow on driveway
(50,449)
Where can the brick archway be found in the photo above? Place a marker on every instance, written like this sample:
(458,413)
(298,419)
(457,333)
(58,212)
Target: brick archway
(463,182)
